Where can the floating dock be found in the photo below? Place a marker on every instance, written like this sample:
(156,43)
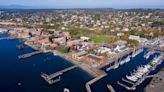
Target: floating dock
(49,78)
(29,54)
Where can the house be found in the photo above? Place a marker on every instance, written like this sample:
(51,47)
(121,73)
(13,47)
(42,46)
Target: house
(44,41)
(120,42)
(23,35)
(84,38)
(35,32)
(61,40)
(74,42)
(133,37)
(102,50)
(120,34)
(79,55)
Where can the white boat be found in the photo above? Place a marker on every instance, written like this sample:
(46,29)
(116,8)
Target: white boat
(136,52)
(109,68)
(66,90)
(131,78)
(116,66)
(148,54)
(127,59)
(54,53)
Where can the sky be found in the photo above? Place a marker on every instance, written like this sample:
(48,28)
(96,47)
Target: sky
(87,3)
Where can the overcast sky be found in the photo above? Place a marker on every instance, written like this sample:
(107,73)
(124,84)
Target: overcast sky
(87,3)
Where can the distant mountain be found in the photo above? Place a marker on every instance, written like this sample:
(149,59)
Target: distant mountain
(15,7)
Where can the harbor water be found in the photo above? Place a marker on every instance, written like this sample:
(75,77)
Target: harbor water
(24,75)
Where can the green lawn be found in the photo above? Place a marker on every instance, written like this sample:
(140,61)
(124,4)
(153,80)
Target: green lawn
(100,38)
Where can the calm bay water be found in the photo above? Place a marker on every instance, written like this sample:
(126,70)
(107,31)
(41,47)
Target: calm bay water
(27,72)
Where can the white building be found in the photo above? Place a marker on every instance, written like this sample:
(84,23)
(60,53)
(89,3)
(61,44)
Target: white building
(133,37)
(84,38)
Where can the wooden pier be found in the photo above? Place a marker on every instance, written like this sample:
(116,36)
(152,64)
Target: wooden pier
(49,78)
(29,54)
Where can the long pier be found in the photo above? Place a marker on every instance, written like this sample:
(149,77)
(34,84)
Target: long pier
(6,38)
(49,78)
(29,54)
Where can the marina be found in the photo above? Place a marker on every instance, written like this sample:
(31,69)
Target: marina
(136,52)
(142,73)
(122,61)
(149,53)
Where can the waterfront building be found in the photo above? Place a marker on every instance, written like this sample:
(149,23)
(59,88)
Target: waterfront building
(79,55)
(94,58)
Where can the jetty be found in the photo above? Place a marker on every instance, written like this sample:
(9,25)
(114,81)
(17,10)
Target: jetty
(87,85)
(50,78)
(111,89)
(29,54)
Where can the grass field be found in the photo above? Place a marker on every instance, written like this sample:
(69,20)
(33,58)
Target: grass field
(100,38)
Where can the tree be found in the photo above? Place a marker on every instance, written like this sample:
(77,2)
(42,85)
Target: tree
(30,34)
